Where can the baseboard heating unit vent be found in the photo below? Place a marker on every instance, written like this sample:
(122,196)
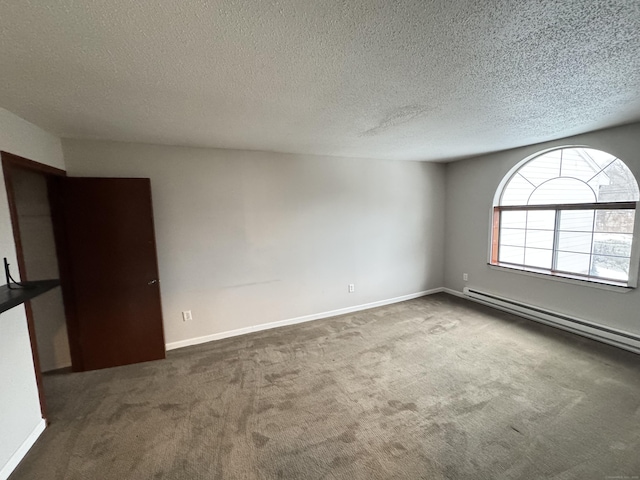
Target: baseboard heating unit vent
(609,335)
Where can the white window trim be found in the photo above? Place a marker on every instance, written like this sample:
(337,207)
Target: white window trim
(620,288)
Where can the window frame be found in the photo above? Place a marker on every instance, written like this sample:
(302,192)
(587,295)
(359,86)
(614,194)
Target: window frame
(494,232)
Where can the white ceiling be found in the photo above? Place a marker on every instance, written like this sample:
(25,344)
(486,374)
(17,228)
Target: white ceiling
(420,80)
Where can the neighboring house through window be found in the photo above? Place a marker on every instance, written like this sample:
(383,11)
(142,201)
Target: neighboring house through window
(568,212)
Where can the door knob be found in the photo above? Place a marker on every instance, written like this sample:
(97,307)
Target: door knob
(152,282)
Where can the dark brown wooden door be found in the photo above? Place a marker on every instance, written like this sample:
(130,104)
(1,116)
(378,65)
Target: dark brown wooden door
(110,273)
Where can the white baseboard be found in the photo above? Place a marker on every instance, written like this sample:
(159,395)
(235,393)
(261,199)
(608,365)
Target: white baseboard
(293,321)
(455,293)
(17,457)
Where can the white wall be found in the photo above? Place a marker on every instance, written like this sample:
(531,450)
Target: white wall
(246,238)
(471,185)
(41,263)
(19,406)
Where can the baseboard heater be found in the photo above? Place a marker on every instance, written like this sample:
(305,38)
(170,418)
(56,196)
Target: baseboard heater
(618,338)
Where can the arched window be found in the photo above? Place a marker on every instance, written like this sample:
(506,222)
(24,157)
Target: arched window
(568,212)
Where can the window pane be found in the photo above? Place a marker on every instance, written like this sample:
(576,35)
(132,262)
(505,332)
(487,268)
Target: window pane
(537,257)
(600,184)
(578,165)
(540,238)
(511,255)
(541,219)
(513,219)
(575,242)
(616,268)
(542,168)
(512,236)
(615,183)
(562,190)
(618,244)
(616,221)
(574,262)
(576,220)
(602,159)
(517,191)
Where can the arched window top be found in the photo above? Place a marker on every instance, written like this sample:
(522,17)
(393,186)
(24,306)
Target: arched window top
(568,176)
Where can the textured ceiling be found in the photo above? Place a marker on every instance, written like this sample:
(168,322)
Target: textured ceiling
(421,80)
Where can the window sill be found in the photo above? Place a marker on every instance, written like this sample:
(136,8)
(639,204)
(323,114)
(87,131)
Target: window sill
(620,288)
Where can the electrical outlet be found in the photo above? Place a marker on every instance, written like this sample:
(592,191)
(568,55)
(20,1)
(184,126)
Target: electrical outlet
(352,288)
(186,316)
(465,277)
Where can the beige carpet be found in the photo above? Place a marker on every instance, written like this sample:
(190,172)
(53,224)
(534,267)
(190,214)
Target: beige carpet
(431,388)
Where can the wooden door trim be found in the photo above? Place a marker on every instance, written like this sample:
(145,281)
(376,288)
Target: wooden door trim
(11,162)
(17,161)
(64,268)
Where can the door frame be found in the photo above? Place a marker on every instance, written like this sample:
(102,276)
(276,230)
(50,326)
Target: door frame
(10,163)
